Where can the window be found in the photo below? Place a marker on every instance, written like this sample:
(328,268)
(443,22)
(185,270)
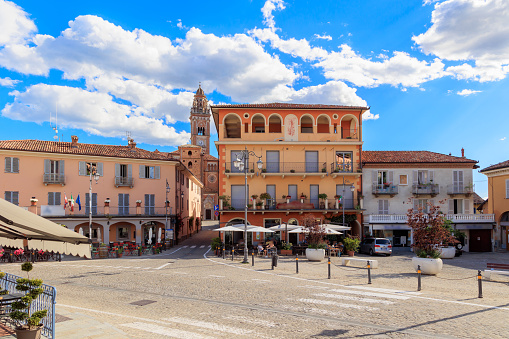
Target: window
(84,167)
(346,194)
(123,233)
(54,198)
(274,124)
(258,124)
(457,181)
(190,164)
(239,196)
(150,204)
(11,165)
(232,126)
(344,162)
(94,204)
(322,125)
(12,197)
(313,195)
(422,204)
(311,161)
(383,206)
(403,179)
(150,172)
(53,172)
(459,206)
(306,125)
(272,161)
(123,204)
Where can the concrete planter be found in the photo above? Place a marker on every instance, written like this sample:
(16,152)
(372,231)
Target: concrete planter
(447,252)
(428,265)
(315,254)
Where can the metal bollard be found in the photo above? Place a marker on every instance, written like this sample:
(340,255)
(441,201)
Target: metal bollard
(272,262)
(418,277)
(232,253)
(224,253)
(328,262)
(252,258)
(369,272)
(59,257)
(297,265)
(479,279)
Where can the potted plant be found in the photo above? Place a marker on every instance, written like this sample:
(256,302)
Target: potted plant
(120,251)
(429,233)
(259,205)
(254,197)
(351,244)
(265,196)
(324,170)
(28,322)
(138,203)
(303,196)
(286,248)
(264,170)
(227,171)
(292,171)
(249,205)
(314,237)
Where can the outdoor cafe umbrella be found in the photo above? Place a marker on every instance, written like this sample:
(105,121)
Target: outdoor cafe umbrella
(337,227)
(81,230)
(150,236)
(98,234)
(304,230)
(279,228)
(159,236)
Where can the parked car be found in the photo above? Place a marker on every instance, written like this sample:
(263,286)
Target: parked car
(374,246)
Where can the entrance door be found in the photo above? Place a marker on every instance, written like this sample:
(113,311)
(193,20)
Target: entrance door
(480,241)
(208,214)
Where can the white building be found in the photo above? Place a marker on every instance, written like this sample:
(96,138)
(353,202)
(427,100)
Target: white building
(395,181)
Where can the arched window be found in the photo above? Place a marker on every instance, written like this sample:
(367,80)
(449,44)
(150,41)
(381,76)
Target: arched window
(274,124)
(258,124)
(306,124)
(189,153)
(232,126)
(190,164)
(322,125)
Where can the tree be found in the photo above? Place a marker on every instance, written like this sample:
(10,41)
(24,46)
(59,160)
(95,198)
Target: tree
(315,231)
(429,230)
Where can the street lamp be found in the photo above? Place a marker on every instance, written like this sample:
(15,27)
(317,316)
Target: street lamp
(242,165)
(93,174)
(166,203)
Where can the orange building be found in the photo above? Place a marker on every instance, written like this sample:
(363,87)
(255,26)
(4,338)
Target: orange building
(498,201)
(310,154)
(128,199)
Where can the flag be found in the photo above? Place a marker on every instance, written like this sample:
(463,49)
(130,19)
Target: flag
(78,201)
(65,201)
(71,204)
(340,198)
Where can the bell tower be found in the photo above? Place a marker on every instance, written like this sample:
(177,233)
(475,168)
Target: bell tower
(200,121)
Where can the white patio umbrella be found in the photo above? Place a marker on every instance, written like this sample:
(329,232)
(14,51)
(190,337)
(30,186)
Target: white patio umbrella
(304,230)
(150,236)
(159,236)
(337,227)
(284,227)
(81,231)
(99,234)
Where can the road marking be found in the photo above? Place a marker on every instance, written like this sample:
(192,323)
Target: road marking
(348,297)
(261,280)
(175,272)
(335,303)
(208,325)
(385,290)
(169,332)
(194,246)
(163,266)
(147,268)
(217,276)
(371,294)
(184,246)
(248,320)
(202,246)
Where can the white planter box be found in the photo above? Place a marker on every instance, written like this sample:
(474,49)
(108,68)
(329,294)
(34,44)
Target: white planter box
(313,254)
(428,265)
(447,252)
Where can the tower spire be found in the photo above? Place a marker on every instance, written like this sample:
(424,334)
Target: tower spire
(200,120)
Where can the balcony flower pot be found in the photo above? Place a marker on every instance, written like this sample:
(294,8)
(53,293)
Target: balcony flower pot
(428,265)
(315,254)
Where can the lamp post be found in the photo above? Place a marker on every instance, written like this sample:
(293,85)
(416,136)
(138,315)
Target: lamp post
(242,164)
(166,203)
(93,174)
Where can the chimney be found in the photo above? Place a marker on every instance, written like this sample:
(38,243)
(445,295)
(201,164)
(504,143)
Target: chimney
(74,141)
(131,143)
(462,152)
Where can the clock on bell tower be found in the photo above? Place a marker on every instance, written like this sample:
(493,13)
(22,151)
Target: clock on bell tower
(200,121)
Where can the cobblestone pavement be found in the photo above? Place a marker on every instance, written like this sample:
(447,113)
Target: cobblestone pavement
(187,292)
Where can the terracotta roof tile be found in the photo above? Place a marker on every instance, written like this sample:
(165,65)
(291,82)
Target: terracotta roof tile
(411,157)
(500,165)
(209,157)
(289,106)
(477,199)
(81,149)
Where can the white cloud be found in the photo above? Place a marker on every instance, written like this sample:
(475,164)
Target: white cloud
(15,24)
(8,82)
(370,116)
(268,8)
(93,112)
(502,139)
(323,37)
(179,23)
(470,30)
(467,92)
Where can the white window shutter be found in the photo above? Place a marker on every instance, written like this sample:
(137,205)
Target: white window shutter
(117,170)
(387,207)
(15,198)
(8,167)
(15,165)
(61,167)
(129,171)
(451,206)
(46,166)
(100,169)
(416,204)
(82,168)
(142,171)
(466,205)
(51,198)
(157,172)
(415,179)
(374,176)
(57,198)
(380,206)
(391,177)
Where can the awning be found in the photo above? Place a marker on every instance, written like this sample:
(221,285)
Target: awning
(474,226)
(18,224)
(388,227)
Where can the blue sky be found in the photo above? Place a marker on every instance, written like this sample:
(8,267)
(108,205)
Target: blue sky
(433,72)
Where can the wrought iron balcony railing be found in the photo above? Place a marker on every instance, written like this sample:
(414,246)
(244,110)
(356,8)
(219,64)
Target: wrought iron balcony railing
(53,178)
(387,188)
(124,181)
(425,189)
(460,189)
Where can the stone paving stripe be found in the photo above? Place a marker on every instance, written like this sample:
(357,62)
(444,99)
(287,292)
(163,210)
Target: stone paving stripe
(335,303)
(185,246)
(370,294)
(147,268)
(202,246)
(260,280)
(385,290)
(208,325)
(194,246)
(255,321)
(217,276)
(163,266)
(348,297)
(142,302)
(169,332)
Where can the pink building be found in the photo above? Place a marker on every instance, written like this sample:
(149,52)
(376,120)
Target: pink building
(129,199)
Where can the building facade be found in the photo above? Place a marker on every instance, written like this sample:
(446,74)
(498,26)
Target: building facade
(396,181)
(196,156)
(498,202)
(129,198)
(310,154)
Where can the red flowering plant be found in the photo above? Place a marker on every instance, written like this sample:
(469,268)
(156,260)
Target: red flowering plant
(315,232)
(429,230)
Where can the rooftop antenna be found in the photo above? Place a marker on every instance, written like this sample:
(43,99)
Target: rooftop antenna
(55,128)
(128,135)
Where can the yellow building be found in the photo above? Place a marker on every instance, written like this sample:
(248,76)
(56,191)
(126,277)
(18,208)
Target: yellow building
(310,155)
(498,201)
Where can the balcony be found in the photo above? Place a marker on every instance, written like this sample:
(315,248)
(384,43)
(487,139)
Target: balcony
(384,189)
(102,211)
(425,189)
(289,204)
(124,182)
(455,218)
(456,189)
(53,178)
